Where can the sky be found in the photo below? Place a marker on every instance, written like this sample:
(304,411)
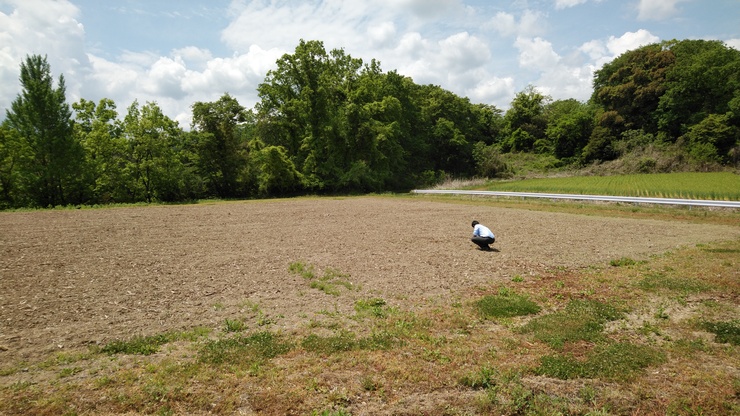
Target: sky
(178,52)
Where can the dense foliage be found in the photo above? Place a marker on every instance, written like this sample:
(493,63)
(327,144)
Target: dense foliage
(327,122)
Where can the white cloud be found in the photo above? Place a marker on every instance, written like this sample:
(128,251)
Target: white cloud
(657,9)
(37,27)
(536,54)
(733,43)
(462,52)
(382,35)
(426,9)
(564,4)
(531,24)
(493,90)
(630,41)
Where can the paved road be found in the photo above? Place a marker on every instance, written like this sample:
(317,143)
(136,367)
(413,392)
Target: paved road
(634,200)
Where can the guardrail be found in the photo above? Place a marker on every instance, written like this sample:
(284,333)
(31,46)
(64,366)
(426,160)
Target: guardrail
(604,198)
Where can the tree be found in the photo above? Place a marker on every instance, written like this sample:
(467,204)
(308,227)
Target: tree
(42,119)
(569,128)
(277,174)
(712,139)
(12,155)
(155,169)
(525,121)
(221,155)
(100,132)
(704,79)
(632,85)
(449,124)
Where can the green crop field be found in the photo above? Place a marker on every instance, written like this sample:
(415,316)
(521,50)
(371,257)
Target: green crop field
(714,185)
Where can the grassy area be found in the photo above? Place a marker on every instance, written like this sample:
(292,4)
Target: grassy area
(711,185)
(650,337)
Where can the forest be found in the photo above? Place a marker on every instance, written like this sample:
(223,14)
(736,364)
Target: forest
(328,123)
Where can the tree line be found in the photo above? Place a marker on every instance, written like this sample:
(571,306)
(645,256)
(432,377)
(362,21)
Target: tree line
(329,123)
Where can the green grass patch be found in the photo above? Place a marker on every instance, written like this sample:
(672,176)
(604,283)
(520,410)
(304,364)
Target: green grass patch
(727,332)
(623,262)
(581,320)
(688,185)
(657,281)
(348,341)
(299,268)
(374,307)
(328,283)
(244,350)
(483,378)
(234,325)
(506,304)
(614,361)
(139,345)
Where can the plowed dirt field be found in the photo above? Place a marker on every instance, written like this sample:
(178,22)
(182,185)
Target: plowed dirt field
(69,278)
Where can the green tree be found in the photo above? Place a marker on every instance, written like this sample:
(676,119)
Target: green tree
(631,85)
(526,122)
(13,155)
(158,168)
(100,132)
(222,156)
(712,139)
(569,127)
(450,126)
(43,121)
(704,79)
(276,175)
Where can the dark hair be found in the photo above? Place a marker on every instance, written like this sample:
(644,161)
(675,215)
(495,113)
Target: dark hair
(475,223)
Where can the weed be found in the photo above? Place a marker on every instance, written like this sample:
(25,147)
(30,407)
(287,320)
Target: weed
(656,281)
(614,361)
(254,349)
(725,332)
(248,304)
(347,341)
(234,325)
(138,345)
(374,307)
(624,261)
(581,320)
(70,371)
(506,305)
(338,412)
(301,269)
(587,394)
(264,320)
(517,279)
(369,384)
(484,378)
(343,341)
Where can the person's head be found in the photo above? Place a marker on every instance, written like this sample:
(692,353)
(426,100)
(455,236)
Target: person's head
(475,223)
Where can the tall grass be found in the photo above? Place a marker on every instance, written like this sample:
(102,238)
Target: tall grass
(685,185)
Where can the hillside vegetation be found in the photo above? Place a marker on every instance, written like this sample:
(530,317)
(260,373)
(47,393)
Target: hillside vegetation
(330,123)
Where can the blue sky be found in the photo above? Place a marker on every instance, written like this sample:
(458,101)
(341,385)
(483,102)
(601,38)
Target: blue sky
(177,52)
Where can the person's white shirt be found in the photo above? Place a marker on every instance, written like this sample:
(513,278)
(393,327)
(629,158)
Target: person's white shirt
(481,230)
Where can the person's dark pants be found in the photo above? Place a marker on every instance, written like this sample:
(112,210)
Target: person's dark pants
(483,242)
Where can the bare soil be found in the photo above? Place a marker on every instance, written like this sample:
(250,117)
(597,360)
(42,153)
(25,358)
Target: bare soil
(70,278)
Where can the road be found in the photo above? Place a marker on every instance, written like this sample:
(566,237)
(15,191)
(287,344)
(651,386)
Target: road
(605,198)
